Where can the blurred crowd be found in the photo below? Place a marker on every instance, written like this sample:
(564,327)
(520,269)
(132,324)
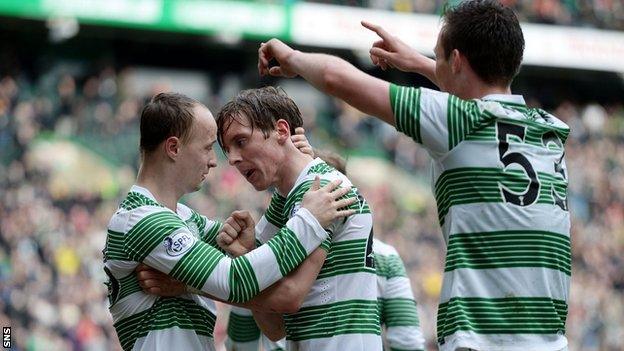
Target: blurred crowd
(604,14)
(51,278)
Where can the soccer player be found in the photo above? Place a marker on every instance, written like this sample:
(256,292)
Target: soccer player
(151,227)
(338,309)
(499,174)
(397,306)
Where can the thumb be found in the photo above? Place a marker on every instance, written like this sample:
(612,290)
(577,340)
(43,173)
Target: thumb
(316,184)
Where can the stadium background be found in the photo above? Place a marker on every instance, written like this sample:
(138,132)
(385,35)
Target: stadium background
(75,73)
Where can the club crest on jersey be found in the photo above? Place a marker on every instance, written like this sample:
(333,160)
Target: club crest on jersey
(178,243)
(295,208)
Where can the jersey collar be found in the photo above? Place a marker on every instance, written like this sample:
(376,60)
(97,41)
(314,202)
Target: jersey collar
(304,172)
(505,98)
(143,191)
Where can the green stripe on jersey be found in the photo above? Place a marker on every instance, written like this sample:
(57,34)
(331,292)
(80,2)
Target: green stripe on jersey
(361,206)
(210,235)
(346,257)
(243,281)
(469,185)
(242,328)
(167,312)
(463,117)
(398,312)
(199,221)
(287,249)
(275,213)
(150,232)
(389,266)
(405,104)
(535,134)
(196,265)
(114,249)
(512,315)
(325,321)
(509,249)
(128,285)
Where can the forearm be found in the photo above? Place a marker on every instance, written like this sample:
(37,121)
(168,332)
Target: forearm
(337,77)
(271,324)
(425,67)
(287,295)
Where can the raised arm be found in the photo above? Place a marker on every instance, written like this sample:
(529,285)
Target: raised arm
(331,75)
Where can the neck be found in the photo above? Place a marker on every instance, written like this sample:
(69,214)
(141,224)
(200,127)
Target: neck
(489,90)
(294,163)
(160,182)
(472,87)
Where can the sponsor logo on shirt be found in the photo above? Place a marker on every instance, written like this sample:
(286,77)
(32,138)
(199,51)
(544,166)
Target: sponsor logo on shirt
(178,243)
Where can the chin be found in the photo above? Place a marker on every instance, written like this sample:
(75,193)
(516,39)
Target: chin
(260,187)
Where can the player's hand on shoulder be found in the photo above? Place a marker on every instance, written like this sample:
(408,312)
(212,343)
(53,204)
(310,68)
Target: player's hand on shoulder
(237,236)
(324,203)
(154,282)
(301,142)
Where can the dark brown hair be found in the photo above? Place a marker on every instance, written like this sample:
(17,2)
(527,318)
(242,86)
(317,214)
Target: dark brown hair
(490,37)
(166,115)
(261,108)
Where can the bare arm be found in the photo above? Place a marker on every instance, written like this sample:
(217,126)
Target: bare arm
(331,75)
(287,295)
(271,324)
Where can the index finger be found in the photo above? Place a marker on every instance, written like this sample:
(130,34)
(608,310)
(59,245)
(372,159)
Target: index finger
(245,217)
(377,29)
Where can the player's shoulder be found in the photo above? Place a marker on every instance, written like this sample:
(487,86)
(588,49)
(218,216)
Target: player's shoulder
(125,219)
(326,174)
(185,211)
(381,248)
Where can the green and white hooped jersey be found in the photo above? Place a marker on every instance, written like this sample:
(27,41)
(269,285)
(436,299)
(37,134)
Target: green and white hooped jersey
(182,245)
(397,308)
(397,305)
(500,183)
(243,333)
(340,312)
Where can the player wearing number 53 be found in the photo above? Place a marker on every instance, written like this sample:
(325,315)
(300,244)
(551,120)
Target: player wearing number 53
(499,174)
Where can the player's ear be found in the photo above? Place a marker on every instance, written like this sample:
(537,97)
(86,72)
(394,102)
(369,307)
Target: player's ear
(456,61)
(282,129)
(171,147)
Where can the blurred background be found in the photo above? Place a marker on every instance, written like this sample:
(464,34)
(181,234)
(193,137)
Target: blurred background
(74,75)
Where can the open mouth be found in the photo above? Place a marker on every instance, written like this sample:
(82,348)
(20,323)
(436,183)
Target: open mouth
(249,173)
